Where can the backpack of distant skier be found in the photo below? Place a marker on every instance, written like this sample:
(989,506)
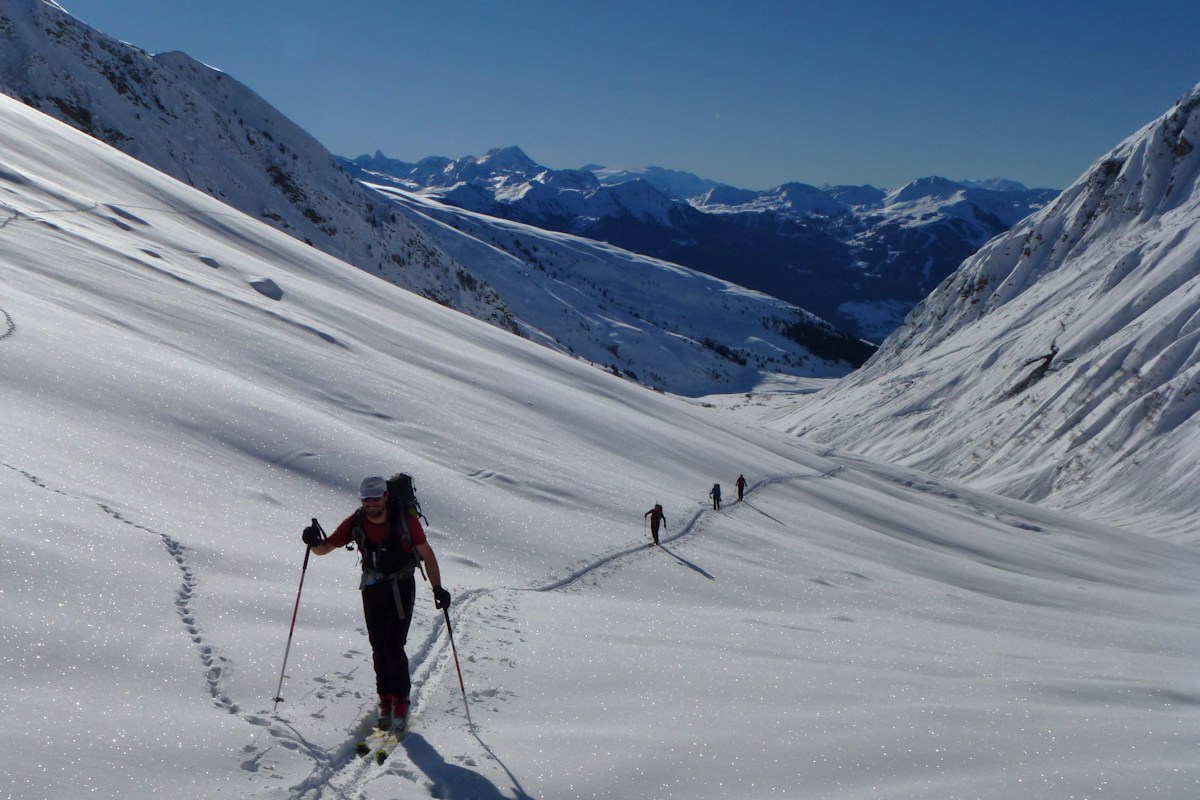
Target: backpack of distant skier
(395,554)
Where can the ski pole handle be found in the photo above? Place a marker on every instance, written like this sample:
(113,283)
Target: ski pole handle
(314,534)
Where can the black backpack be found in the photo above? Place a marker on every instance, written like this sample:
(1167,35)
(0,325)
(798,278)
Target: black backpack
(402,496)
(381,559)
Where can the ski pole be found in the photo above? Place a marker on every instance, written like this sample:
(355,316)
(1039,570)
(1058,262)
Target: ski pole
(461,685)
(295,612)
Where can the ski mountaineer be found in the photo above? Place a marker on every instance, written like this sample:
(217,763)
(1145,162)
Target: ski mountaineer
(656,518)
(741,486)
(715,494)
(388,588)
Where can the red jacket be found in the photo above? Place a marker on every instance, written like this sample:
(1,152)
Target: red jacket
(375,531)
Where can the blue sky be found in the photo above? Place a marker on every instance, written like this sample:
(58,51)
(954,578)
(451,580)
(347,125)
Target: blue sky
(750,93)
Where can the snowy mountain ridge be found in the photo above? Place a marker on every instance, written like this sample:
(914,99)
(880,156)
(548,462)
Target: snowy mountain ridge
(201,126)
(1061,363)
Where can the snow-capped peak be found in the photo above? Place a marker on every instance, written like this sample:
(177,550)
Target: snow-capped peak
(508,159)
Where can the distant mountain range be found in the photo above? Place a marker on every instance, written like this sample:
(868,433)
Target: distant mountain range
(858,256)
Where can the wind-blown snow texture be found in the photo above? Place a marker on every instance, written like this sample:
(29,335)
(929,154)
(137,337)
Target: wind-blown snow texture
(184,387)
(1061,362)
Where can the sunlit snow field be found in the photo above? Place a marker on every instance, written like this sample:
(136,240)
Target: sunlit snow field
(184,389)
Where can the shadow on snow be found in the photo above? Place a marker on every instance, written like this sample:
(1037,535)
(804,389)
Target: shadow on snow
(453,782)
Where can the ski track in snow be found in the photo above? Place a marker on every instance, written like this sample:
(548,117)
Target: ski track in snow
(328,765)
(343,774)
(213,664)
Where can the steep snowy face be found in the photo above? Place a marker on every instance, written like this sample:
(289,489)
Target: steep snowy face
(206,129)
(1121,199)
(1062,361)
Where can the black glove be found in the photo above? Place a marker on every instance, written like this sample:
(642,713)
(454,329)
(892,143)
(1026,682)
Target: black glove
(441,598)
(312,536)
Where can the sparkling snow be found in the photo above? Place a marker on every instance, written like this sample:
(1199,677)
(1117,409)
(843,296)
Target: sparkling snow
(184,388)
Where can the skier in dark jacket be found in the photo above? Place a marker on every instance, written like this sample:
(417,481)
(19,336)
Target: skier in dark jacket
(741,486)
(715,494)
(656,517)
(388,587)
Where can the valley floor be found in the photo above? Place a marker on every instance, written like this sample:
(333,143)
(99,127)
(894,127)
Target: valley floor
(857,632)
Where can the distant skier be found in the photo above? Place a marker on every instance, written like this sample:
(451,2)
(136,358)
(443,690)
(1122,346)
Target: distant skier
(715,494)
(656,518)
(741,486)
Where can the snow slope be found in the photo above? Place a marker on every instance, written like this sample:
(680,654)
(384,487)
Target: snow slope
(663,325)
(1060,363)
(183,388)
(206,129)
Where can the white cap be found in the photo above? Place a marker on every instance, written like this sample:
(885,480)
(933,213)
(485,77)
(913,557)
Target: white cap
(373,486)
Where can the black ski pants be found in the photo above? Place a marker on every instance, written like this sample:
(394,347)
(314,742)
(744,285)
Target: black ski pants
(387,607)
